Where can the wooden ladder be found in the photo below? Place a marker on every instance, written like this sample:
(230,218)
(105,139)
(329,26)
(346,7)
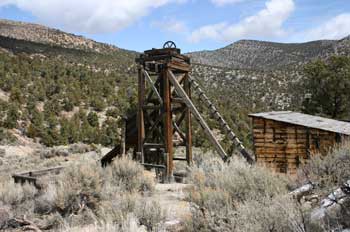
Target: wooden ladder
(223,124)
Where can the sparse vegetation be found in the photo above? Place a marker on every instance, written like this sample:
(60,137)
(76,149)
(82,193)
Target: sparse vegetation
(69,93)
(239,197)
(86,195)
(222,190)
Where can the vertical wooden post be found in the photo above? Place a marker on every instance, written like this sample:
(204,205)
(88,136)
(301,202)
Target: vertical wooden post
(187,88)
(168,125)
(123,137)
(140,116)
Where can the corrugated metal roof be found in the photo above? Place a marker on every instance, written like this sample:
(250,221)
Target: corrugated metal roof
(307,121)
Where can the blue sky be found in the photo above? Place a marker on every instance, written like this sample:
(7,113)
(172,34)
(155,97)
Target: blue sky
(192,24)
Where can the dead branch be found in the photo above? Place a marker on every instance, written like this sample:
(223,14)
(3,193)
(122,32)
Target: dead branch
(27,224)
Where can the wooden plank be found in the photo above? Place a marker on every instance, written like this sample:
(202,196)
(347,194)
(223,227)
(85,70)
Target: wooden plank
(272,145)
(276,151)
(291,157)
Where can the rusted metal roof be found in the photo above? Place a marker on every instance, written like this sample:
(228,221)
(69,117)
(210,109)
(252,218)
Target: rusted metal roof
(307,121)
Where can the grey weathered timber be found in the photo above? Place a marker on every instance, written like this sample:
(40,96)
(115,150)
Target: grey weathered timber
(33,176)
(225,127)
(305,120)
(196,113)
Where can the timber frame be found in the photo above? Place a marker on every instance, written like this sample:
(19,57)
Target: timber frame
(163,118)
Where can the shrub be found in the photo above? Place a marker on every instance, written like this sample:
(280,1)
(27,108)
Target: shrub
(84,194)
(78,148)
(93,119)
(68,105)
(113,112)
(239,180)
(6,137)
(14,194)
(45,203)
(129,175)
(12,117)
(79,186)
(328,171)
(150,215)
(221,190)
(278,214)
(53,152)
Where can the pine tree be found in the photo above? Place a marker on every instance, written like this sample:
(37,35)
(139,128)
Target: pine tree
(12,117)
(93,119)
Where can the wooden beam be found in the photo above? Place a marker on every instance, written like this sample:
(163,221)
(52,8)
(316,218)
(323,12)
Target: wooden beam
(168,123)
(188,124)
(178,130)
(140,114)
(196,113)
(153,86)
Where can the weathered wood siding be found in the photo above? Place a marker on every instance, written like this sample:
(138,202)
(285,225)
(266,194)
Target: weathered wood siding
(284,147)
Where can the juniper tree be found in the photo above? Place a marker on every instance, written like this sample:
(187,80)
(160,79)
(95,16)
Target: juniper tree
(328,85)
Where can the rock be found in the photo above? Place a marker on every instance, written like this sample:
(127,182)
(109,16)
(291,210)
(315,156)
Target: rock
(46,154)
(62,152)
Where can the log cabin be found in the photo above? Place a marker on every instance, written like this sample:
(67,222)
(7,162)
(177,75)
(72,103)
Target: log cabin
(283,140)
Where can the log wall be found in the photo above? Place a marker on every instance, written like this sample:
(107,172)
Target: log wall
(284,147)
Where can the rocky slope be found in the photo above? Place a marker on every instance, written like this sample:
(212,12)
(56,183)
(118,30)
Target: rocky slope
(41,34)
(260,55)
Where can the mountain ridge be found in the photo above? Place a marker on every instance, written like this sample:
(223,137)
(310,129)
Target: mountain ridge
(42,34)
(264,55)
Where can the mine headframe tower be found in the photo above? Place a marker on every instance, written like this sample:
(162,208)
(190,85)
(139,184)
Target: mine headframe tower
(163,118)
(164,114)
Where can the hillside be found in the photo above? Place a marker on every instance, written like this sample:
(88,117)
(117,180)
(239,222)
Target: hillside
(62,88)
(45,35)
(260,55)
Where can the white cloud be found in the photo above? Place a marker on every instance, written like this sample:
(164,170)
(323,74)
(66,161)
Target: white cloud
(171,25)
(225,2)
(336,28)
(90,16)
(266,23)
(212,31)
